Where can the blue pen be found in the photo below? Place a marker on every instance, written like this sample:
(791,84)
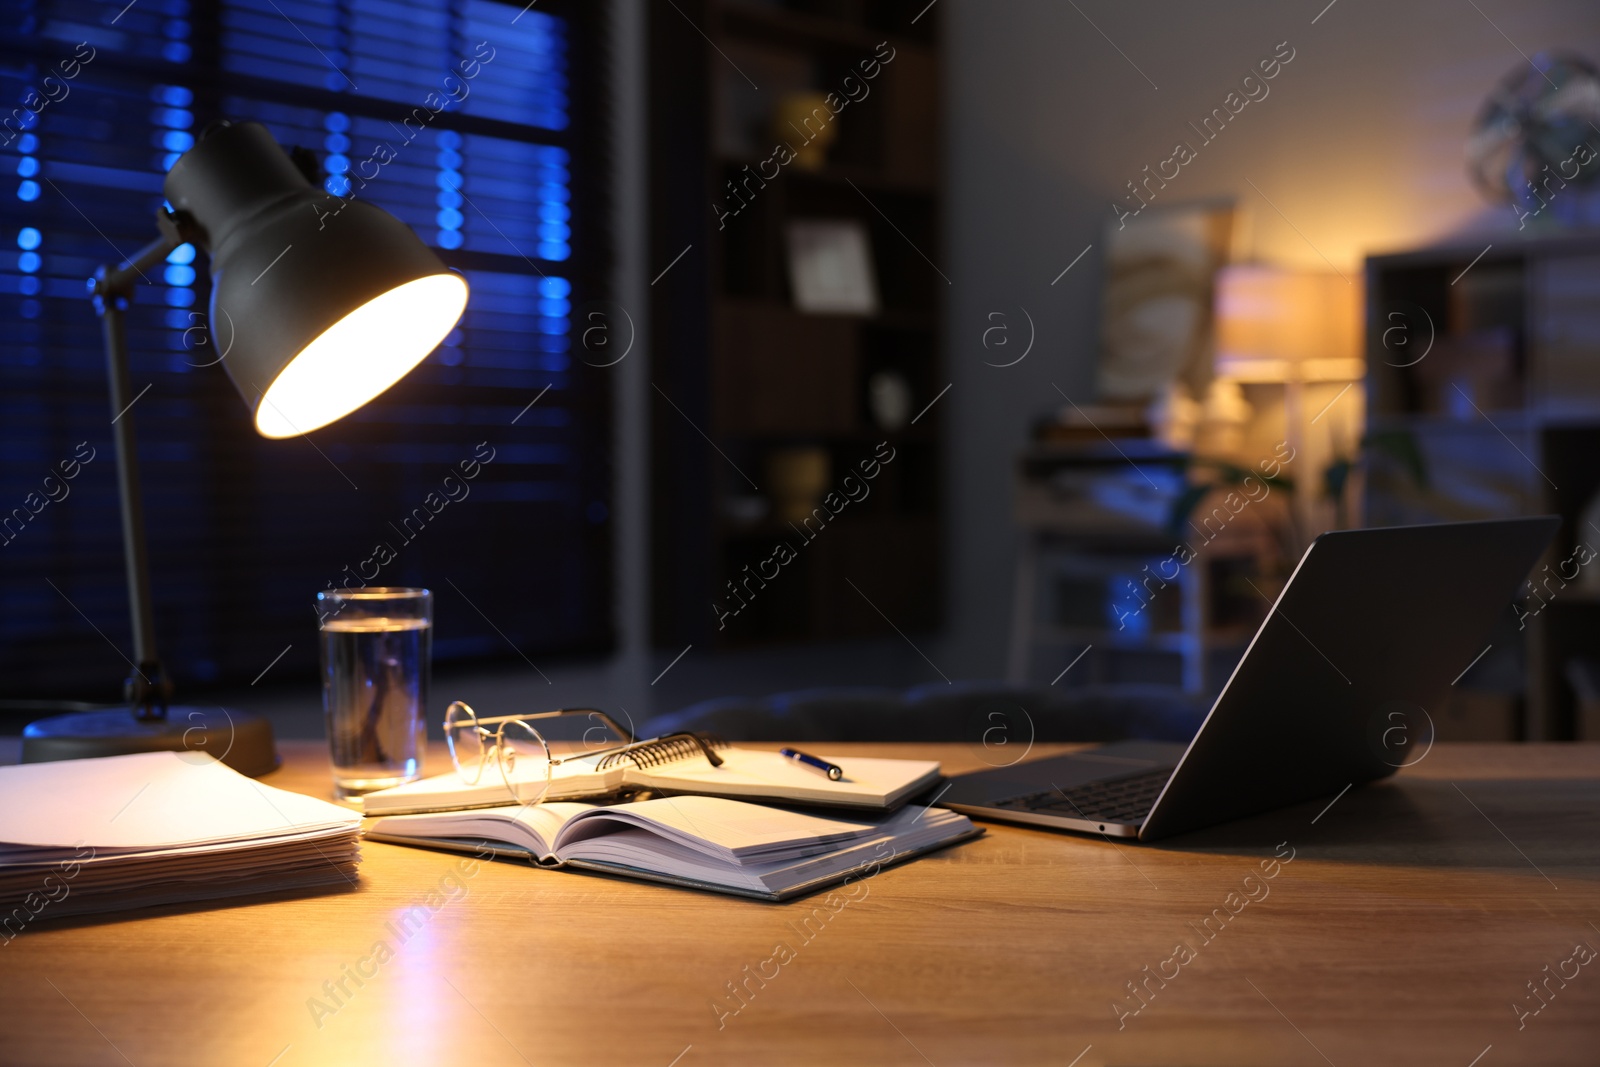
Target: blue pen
(833,771)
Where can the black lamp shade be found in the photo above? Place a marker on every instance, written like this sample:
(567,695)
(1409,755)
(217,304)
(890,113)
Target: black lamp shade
(318,303)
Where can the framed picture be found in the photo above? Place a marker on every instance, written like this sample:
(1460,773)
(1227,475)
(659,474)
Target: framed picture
(830,267)
(1157,325)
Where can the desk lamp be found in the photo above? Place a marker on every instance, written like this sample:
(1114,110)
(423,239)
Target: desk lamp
(317,305)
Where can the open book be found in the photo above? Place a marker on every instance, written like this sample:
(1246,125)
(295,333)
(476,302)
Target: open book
(868,783)
(702,842)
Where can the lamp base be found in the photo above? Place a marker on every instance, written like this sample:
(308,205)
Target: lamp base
(241,740)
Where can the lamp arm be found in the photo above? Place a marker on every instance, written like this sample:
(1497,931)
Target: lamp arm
(148,688)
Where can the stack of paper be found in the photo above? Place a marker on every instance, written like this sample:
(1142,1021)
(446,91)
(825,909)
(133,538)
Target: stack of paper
(82,836)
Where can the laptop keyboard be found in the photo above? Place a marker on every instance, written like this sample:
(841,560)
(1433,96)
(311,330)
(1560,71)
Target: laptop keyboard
(1127,799)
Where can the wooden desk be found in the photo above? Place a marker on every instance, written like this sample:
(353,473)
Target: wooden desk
(1411,918)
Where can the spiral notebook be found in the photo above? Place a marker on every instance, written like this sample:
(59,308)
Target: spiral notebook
(669,766)
(712,843)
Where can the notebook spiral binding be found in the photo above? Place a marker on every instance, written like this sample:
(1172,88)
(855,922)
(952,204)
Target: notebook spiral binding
(667,749)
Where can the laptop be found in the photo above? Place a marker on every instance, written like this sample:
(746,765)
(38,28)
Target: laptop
(1335,689)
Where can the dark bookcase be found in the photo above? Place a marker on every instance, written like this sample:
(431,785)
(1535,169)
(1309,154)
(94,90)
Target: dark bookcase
(1483,397)
(738,372)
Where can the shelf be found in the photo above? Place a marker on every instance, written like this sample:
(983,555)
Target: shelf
(904,319)
(1507,249)
(887,318)
(776,529)
(911,435)
(1517,420)
(1520,420)
(840,175)
(769,25)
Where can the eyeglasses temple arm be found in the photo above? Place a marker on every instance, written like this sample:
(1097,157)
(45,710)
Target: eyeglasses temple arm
(621,731)
(615,727)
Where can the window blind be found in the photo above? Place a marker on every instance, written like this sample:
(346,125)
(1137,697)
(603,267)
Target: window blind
(467,120)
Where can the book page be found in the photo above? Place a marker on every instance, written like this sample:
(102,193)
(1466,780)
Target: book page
(645,851)
(626,849)
(529,826)
(731,829)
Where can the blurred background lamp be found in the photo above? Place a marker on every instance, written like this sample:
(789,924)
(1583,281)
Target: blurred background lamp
(1279,324)
(318,305)
(1299,329)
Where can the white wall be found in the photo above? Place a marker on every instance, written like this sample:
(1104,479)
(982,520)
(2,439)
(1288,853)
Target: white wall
(1359,143)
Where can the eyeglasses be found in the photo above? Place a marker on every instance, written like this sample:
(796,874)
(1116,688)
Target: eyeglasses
(522,758)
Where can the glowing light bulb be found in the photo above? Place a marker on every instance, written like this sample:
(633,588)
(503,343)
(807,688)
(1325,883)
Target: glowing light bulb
(361,355)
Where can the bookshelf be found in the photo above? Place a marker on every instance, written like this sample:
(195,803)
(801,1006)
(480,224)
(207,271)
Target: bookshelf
(742,377)
(1484,365)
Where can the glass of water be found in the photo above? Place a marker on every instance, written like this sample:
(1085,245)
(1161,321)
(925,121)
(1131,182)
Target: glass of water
(377,645)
